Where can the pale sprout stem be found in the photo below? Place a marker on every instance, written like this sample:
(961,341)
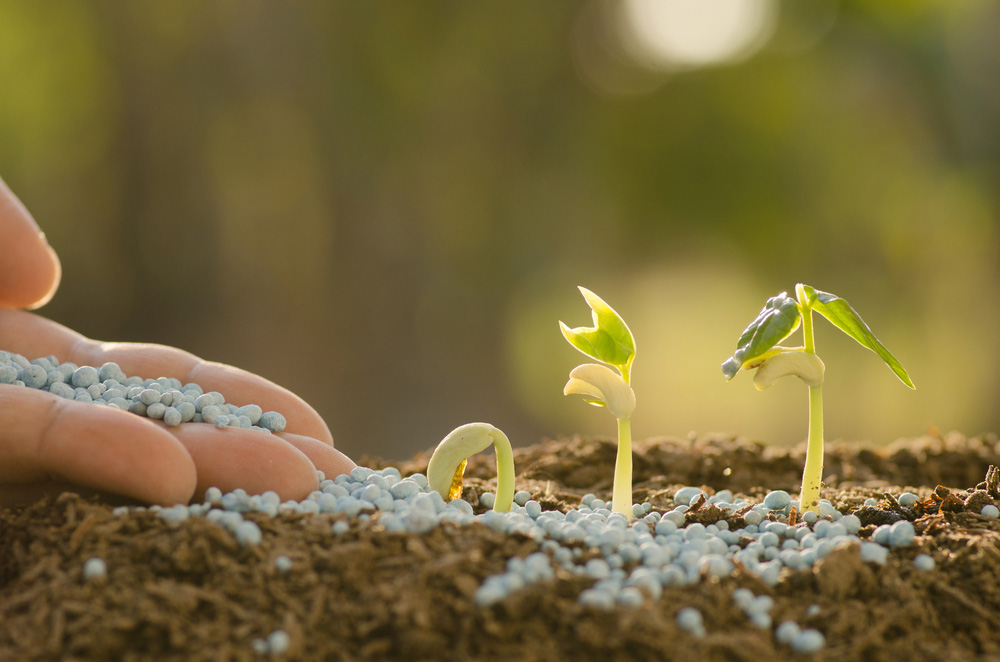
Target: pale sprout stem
(621,495)
(505,472)
(812,473)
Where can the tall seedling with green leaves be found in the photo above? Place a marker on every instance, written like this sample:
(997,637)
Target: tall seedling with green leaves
(609,341)
(758,348)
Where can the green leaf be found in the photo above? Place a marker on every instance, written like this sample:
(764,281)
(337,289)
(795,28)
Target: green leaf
(779,318)
(843,316)
(609,340)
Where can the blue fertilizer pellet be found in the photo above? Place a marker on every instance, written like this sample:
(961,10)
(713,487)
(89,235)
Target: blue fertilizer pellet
(777,500)
(95,568)
(210,412)
(252,412)
(901,534)
(827,510)
(8,374)
(872,552)
(630,597)
(33,376)
(248,533)
(521,497)
(690,619)
(278,642)
(187,411)
(809,641)
(684,495)
(85,376)
(156,410)
(172,417)
(787,632)
(851,523)
(111,370)
(63,390)
(204,400)
(44,363)
(742,597)
(273,421)
(991,511)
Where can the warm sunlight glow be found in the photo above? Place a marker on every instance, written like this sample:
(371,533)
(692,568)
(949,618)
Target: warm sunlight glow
(671,34)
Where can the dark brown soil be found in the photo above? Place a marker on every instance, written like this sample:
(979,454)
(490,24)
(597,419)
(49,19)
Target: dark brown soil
(190,592)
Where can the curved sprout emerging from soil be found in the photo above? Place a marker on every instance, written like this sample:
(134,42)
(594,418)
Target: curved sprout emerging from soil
(447,465)
(758,349)
(609,341)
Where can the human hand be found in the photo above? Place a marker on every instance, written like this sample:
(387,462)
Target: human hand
(48,443)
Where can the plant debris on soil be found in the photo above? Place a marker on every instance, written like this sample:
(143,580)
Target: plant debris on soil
(190,591)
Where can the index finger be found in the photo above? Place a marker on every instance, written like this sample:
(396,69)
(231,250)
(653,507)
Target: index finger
(34,336)
(29,270)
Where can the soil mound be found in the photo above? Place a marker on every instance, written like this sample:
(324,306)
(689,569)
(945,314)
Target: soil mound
(189,591)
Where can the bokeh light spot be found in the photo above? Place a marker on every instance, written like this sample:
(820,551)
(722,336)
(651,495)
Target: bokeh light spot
(672,34)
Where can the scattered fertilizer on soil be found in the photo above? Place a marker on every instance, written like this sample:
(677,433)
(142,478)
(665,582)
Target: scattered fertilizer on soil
(374,566)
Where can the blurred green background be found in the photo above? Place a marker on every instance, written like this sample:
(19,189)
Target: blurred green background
(387,206)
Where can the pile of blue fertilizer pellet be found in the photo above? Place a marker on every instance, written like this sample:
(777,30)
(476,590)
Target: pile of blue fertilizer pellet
(635,560)
(165,399)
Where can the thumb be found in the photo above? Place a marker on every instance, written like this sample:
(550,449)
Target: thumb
(29,268)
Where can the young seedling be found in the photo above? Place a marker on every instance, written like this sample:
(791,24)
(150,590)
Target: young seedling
(609,341)
(447,465)
(758,348)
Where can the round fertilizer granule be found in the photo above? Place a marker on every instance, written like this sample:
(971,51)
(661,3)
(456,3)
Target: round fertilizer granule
(787,632)
(95,568)
(85,376)
(272,420)
(248,533)
(690,619)
(684,495)
(278,642)
(901,534)
(777,500)
(172,417)
(809,641)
